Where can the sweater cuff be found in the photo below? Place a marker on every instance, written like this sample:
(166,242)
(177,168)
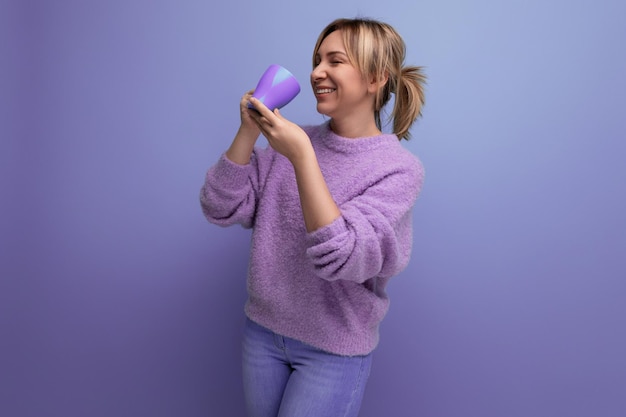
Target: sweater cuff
(328,232)
(230,173)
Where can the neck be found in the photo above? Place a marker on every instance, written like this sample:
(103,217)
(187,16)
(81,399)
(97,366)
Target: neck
(354,128)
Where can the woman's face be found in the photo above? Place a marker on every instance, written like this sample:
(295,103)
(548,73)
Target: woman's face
(339,88)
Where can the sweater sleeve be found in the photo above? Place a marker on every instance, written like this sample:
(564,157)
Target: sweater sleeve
(230,192)
(373,235)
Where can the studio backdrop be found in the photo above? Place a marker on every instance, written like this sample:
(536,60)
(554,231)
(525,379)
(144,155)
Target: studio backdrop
(119,299)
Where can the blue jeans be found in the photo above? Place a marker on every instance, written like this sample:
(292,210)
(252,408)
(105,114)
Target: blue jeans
(283,377)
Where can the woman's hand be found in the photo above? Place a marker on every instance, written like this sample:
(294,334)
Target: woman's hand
(287,138)
(248,124)
(243,144)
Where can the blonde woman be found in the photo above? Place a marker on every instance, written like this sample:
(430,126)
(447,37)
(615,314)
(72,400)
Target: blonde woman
(331,211)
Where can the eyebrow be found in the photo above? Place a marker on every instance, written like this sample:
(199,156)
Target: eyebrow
(317,55)
(336,53)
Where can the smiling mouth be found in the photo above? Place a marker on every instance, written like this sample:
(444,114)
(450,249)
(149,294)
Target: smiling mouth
(324,90)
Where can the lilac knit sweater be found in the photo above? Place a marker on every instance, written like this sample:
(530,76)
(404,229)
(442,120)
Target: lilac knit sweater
(325,288)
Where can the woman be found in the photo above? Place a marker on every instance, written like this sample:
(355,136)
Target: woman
(331,210)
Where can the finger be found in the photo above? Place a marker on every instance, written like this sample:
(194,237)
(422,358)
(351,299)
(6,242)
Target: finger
(254,115)
(260,120)
(261,108)
(264,128)
(266,123)
(245,99)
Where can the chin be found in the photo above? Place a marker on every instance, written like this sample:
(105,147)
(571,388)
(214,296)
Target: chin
(322,110)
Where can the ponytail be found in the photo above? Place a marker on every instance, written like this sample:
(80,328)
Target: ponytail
(409,99)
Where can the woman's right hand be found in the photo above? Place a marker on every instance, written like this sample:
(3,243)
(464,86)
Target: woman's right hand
(242,146)
(247,122)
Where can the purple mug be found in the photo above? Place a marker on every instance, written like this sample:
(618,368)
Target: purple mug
(276,88)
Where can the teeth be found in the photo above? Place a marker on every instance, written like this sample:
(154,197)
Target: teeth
(324,90)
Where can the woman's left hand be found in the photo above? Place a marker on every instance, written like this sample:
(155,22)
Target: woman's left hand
(287,138)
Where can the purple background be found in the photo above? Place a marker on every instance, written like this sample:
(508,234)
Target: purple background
(117,298)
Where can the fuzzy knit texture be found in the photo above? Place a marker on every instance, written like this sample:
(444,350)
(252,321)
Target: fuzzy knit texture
(325,288)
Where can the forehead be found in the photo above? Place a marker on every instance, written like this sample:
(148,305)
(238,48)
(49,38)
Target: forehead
(332,43)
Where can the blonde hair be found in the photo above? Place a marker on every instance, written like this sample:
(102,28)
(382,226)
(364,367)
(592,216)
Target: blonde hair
(378,51)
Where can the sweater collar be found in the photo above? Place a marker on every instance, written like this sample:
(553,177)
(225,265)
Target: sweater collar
(354,145)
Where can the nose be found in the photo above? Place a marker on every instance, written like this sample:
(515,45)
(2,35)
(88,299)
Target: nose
(318,73)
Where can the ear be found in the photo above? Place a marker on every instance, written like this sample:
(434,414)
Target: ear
(377,84)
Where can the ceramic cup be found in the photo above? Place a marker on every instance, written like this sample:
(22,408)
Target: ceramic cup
(276,88)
